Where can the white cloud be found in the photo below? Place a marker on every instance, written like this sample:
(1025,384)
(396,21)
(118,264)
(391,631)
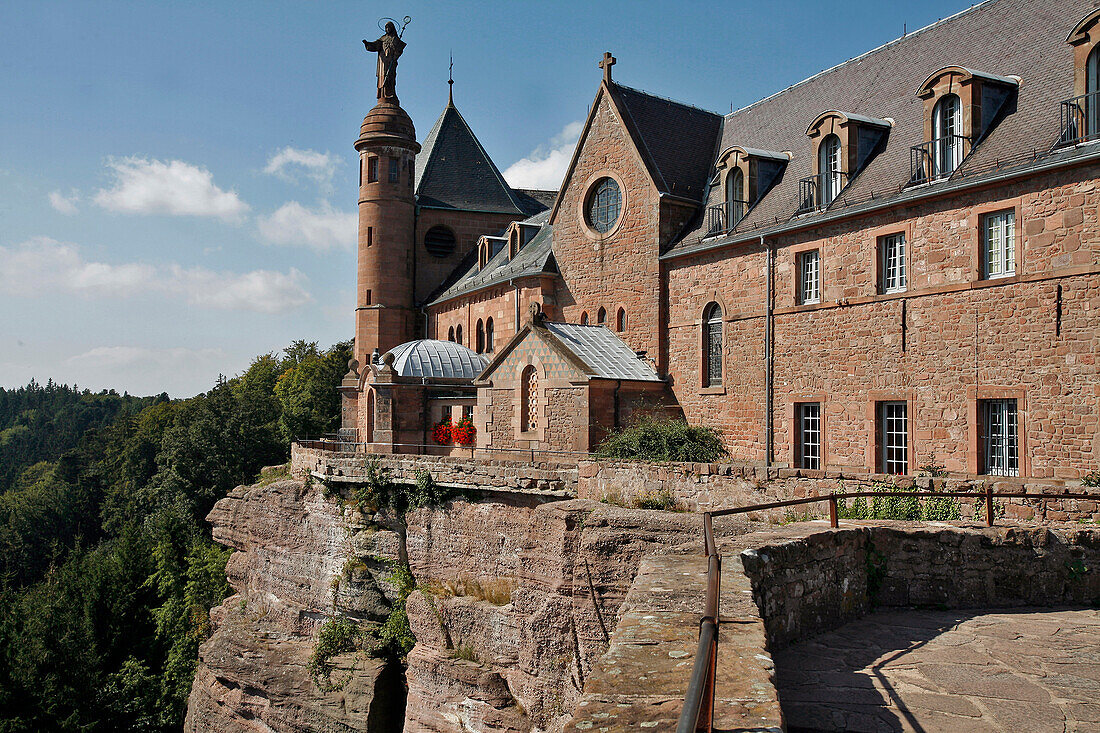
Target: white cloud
(546,165)
(259,290)
(292,163)
(65,204)
(321,228)
(42,265)
(171,187)
(128,356)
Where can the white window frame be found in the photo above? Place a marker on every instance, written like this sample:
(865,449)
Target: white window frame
(893,428)
(998,244)
(1001,450)
(893,277)
(809,277)
(808,416)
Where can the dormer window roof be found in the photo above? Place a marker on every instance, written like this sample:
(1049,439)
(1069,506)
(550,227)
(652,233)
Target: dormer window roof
(745,175)
(843,143)
(960,107)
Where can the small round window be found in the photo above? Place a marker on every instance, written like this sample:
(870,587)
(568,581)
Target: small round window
(439,241)
(604,204)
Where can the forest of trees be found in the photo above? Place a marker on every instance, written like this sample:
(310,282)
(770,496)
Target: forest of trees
(107,568)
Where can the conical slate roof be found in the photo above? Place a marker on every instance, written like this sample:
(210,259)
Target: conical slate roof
(453,171)
(434,359)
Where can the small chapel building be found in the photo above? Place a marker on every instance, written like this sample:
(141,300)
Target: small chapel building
(891,264)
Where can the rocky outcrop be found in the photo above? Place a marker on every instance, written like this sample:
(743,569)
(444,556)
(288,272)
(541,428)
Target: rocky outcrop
(518,596)
(291,544)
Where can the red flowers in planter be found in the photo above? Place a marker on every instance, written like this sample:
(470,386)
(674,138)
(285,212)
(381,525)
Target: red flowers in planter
(461,433)
(464,433)
(441,433)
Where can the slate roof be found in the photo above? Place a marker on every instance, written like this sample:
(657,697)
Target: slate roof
(453,171)
(676,141)
(1003,38)
(604,354)
(534,258)
(432,359)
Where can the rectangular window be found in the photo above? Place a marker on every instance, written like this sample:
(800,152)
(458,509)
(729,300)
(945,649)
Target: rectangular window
(808,415)
(1000,436)
(999,244)
(446,416)
(893,431)
(809,276)
(892,256)
(372,170)
(468,412)
(360,172)
(370,236)
(395,170)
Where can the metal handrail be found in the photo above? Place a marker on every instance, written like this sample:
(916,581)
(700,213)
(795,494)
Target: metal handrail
(697,713)
(810,196)
(720,217)
(937,158)
(1080,119)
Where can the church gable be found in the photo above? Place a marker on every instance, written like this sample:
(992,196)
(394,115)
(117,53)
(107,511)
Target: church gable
(529,347)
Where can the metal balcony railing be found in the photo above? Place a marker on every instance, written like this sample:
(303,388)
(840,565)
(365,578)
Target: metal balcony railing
(937,158)
(723,217)
(817,192)
(1080,119)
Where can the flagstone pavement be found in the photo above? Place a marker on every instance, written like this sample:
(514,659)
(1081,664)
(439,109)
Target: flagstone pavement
(1020,670)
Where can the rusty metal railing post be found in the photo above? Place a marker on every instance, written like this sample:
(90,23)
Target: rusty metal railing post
(989,506)
(832,513)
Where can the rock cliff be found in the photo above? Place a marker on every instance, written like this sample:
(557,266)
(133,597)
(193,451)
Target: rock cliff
(518,595)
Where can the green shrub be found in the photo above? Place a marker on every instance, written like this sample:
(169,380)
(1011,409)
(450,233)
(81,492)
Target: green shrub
(467,652)
(662,499)
(907,508)
(338,635)
(656,438)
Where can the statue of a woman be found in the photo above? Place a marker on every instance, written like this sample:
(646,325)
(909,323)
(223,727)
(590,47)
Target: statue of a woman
(388,48)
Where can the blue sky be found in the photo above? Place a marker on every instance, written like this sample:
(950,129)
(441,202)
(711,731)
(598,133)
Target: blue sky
(178,183)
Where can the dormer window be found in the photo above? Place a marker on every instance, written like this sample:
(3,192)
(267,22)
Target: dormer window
(947,152)
(960,107)
(830,167)
(744,175)
(1081,113)
(843,144)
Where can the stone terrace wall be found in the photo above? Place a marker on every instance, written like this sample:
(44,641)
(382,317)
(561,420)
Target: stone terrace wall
(711,486)
(474,473)
(805,585)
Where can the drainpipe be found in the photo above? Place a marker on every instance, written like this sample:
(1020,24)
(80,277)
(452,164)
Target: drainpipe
(769,356)
(515,298)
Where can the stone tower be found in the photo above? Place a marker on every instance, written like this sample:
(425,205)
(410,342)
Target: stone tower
(384,313)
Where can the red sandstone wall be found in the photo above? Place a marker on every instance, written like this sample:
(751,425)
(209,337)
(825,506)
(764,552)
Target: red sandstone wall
(965,339)
(467,226)
(498,303)
(620,269)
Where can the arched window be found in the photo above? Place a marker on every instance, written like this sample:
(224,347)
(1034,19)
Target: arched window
(458,334)
(712,345)
(601,316)
(947,132)
(489,335)
(830,168)
(584,318)
(529,399)
(451,334)
(620,321)
(735,197)
(368,437)
(1092,89)
(479,337)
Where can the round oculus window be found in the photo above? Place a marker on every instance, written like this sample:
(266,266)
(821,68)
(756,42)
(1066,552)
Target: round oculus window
(439,241)
(605,202)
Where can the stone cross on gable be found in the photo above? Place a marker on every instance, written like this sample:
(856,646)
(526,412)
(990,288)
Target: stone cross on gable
(606,63)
